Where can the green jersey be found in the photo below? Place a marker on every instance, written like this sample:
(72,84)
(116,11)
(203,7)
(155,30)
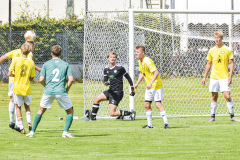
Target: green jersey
(56,72)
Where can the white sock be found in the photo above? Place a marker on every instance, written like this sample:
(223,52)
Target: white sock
(213,107)
(20,124)
(149,118)
(164,116)
(11,109)
(28,116)
(230,107)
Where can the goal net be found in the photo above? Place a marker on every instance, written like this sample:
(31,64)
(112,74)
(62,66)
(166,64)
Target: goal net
(178,43)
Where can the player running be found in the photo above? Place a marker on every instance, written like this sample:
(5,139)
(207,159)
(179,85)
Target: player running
(154,90)
(53,77)
(23,71)
(113,76)
(220,56)
(14,54)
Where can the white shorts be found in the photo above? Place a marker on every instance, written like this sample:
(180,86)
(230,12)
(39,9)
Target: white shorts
(216,84)
(154,95)
(10,88)
(63,101)
(18,99)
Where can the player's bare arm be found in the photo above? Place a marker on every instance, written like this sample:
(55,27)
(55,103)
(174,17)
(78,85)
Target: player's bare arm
(140,77)
(42,80)
(38,69)
(155,75)
(3,57)
(208,67)
(10,74)
(231,63)
(70,82)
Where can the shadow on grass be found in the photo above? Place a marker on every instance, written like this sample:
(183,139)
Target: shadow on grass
(92,135)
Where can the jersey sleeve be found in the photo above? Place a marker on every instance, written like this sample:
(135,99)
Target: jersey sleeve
(69,71)
(33,70)
(43,71)
(105,76)
(123,70)
(10,54)
(209,56)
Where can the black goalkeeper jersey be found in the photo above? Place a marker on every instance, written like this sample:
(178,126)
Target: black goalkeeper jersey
(115,77)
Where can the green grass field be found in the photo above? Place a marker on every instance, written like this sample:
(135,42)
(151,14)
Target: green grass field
(189,137)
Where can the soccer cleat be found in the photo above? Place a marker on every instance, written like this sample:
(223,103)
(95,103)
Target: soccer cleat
(22,131)
(120,117)
(29,126)
(12,125)
(67,135)
(88,114)
(211,119)
(147,126)
(133,115)
(235,119)
(16,128)
(166,126)
(31,134)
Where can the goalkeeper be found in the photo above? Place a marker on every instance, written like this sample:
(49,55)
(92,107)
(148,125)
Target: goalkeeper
(113,76)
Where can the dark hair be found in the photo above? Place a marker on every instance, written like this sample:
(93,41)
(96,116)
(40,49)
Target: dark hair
(57,50)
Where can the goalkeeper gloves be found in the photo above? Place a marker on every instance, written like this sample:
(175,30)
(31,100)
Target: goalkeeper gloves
(107,83)
(132,92)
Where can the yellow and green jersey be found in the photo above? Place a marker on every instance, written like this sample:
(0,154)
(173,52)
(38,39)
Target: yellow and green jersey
(23,69)
(147,68)
(220,59)
(17,53)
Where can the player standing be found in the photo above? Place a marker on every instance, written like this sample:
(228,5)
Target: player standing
(14,54)
(219,57)
(23,71)
(154,90)
(53,77)
(113,76)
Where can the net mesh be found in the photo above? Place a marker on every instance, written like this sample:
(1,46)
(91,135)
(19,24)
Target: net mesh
(177,43)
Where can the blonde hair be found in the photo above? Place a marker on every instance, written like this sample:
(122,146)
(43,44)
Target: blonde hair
(218,33)
(26,48)
(112,53)
(140,47)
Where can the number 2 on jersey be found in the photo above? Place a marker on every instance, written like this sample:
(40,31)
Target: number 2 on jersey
(56,72)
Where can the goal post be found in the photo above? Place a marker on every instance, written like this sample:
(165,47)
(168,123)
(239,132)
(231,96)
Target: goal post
(176,40)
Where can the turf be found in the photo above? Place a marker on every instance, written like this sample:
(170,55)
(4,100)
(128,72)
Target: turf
(188,138)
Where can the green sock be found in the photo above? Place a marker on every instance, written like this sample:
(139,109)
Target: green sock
(37,119)
(68,122)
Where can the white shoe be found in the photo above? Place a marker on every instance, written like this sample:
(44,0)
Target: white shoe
(67,135)
(31,134)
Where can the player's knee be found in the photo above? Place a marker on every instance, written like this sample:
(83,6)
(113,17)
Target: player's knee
(41,110)
(96,100)
(228,98)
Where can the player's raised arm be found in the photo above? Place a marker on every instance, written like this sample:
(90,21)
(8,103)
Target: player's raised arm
(3,57)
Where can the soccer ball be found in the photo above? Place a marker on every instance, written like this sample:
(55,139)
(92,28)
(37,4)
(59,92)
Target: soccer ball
(30,35)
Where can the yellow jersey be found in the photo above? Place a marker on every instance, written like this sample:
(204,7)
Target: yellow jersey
(23,69)
(14,54)
(220,59)
(147,68)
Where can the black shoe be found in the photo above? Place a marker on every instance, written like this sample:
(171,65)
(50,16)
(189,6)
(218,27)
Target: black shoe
(16,128)
(93,117)
(88,114)
(12,125)
(120,117)
(147,126)
(166,126)
(133,115)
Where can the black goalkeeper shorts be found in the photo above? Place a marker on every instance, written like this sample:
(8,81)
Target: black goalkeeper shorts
(114,97)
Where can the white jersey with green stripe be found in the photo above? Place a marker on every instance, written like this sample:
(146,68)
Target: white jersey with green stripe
(55,72)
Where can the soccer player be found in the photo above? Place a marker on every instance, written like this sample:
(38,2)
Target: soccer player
(113,76)
(219,57)
(14,54)
(154,90)
(23,71)
(53,77)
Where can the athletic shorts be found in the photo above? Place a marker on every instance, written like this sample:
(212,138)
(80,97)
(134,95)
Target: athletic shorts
(216,84)
(10,88)
(64,101)
(18,99)
(114,97)
(154,95)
